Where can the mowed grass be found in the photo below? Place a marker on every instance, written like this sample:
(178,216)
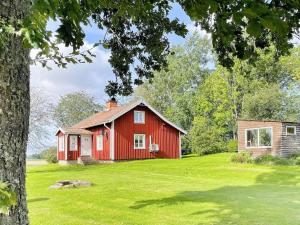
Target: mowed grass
(193,190)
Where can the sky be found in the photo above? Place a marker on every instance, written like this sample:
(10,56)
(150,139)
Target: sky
(91,78)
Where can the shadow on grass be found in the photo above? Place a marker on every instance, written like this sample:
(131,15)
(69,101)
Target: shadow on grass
(37,200)
(273,199)
(75,168)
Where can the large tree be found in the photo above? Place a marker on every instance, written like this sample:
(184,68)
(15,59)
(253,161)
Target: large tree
(41,110)
(75,107)
(263,90)
(136,32)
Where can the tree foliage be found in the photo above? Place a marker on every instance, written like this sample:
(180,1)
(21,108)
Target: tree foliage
(7,198)
(171,90)
(50,155)
(136,31)
(271,102)
(239,27)
(263,90)
(75,107)
(41,110)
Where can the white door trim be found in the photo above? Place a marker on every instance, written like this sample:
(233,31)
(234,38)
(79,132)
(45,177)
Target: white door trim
(81,140)
(112,140)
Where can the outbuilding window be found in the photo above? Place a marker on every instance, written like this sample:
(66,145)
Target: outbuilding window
(139,117)
(99,141)
(139,141)
(73,143)
(291,130)
(61,143)
(259,137)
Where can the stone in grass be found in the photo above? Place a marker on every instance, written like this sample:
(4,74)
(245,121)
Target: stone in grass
(70,184)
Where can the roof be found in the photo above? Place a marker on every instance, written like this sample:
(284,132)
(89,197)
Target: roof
(114,113)
(73,130)
(276,121)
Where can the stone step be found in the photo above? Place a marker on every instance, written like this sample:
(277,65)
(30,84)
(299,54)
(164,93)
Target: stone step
(86,160)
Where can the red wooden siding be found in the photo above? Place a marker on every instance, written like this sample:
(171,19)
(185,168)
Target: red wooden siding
(162,134)
(60,154)
(104,154)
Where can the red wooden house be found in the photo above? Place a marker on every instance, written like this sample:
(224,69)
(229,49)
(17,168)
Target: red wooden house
(131,131)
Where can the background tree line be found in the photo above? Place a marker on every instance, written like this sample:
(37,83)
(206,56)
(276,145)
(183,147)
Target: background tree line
(206,99)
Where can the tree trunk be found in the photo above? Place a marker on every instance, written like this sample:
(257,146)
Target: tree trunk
(14,111)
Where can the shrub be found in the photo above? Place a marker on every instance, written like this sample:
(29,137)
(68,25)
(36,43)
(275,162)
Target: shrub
(264,159)
(206,139)
(297,161)
(273,160)
(242,157)
(295,155)
(232,145)
(7,197)
(50,155)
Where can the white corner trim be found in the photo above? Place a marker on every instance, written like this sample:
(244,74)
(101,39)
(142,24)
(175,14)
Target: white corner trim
(112,140)
(179,140)
(66,146)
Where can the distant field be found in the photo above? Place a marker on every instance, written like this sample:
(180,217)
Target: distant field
(195,190)
(36,162)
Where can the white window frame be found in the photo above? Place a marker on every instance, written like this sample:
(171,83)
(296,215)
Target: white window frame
(258,141)
(76,143)
(144,141)
(98,146)
(61,143)
(143,117)
(295,130)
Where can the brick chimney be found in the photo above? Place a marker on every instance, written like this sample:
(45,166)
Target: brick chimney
(112,103)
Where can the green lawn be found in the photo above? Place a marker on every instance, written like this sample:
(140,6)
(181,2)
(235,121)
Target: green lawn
(194,190)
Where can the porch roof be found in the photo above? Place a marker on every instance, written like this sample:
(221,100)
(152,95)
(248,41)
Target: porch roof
(73,130)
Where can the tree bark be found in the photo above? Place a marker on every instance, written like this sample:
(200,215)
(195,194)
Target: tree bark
(14,111)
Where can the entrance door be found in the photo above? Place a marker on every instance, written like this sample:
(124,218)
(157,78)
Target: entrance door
(86,145)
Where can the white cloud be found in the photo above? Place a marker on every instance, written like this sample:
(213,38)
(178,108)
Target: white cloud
(191,27)
(88,77)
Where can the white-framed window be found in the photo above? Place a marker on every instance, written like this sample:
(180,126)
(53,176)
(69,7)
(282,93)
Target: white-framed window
(99,141)
(259,137)
(290,130)
(61,143)
(139,117)
(139,141)
(73,143)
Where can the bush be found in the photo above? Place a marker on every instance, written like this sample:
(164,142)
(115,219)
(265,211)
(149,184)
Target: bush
(232,145)
(297,161)
(295,155)
(242,157)
(50,155)
(206,139)
(273,160)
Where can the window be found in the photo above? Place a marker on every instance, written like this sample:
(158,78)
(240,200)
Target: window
(139,141)
(252,138)
(291,130)
(61,143)
(259,137)
(73,143)
(139,117)
(99,141)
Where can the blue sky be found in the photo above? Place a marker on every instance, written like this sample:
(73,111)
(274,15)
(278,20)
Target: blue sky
(93,77)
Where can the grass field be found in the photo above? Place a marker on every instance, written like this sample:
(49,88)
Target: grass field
(194,190)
